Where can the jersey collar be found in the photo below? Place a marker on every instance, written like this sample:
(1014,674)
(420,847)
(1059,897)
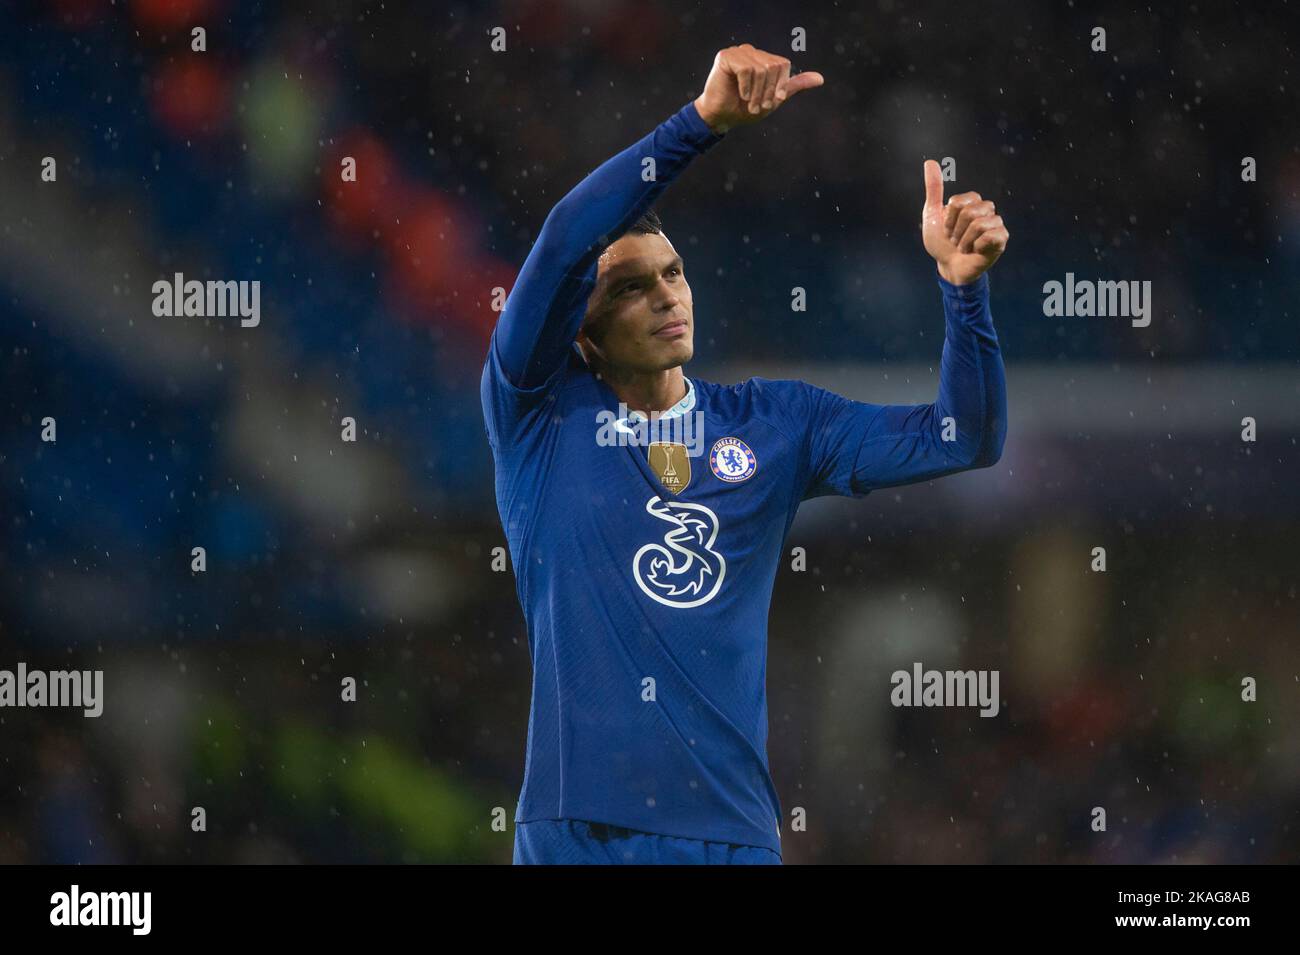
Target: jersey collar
(676,411)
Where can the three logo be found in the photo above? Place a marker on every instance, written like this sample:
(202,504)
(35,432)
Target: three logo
(685,570)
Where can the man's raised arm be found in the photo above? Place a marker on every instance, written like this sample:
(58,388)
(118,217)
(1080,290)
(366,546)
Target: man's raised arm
(856,447)
(546,306)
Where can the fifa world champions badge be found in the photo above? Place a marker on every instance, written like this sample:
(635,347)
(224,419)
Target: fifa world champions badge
(732,460)
(670,462)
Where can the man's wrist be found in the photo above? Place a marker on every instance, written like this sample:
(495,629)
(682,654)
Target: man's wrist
(714,123)
(959,280)
(975,288)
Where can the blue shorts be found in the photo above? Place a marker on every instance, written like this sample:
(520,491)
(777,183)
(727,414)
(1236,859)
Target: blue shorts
(574,842)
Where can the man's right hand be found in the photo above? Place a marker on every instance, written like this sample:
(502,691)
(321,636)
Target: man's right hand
(746,85)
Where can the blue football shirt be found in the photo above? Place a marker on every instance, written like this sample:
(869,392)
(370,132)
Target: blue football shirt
(645,574)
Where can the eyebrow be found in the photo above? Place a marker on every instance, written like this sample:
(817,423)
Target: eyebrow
(630,270)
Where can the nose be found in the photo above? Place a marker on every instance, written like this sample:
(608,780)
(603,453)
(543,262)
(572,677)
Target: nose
(666,297)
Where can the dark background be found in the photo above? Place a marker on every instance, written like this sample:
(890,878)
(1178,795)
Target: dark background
(373,559)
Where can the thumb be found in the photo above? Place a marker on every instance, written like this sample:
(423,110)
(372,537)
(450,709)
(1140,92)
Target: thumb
(933,186)
(803,81)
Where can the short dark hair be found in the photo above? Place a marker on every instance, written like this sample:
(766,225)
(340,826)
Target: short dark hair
(648,224)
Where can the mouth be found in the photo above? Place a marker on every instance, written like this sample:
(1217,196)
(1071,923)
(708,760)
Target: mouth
(677,328)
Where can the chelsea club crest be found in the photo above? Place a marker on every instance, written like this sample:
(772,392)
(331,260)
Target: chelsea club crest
(732,460)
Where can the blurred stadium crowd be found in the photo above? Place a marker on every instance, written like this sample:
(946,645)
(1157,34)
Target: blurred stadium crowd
(372,559)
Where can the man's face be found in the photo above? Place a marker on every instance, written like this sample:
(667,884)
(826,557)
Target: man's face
(639,316)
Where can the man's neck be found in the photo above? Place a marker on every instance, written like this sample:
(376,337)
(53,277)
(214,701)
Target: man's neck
(646,391)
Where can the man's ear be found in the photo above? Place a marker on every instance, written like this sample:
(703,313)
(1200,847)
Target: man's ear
(589,332)
(586,345)
(582,338)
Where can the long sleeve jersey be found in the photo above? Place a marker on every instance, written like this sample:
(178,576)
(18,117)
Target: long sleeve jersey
(646,596)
